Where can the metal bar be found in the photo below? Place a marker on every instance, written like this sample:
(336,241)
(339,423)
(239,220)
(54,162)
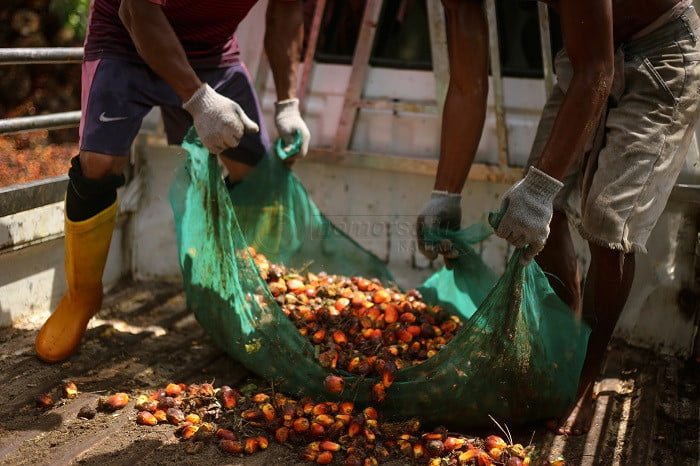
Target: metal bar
(495,57)
(26,196)
(36,55)
(438,50)
(30,123)
(404,164)
(399,106)
(311,44)
(546,44)
(360,65)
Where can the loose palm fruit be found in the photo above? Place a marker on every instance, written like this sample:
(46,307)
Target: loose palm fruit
(145,418)
(44,401)
(262,442)
(325,457)
(301,424)
(334,384)
(231,446)
(227,397)
(378,392)
(494,441)
(70,390)
(174,416)
(282,434)
(226,434)
(261,398)
(173,389)
(327,445)
(161,415)
(268,412)
(189,431)
(250,445)
(115,402)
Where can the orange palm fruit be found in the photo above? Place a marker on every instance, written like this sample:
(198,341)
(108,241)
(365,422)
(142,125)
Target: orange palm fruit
(146,419)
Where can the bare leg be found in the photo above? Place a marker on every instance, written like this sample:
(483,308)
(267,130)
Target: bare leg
(607,287)
(558,260)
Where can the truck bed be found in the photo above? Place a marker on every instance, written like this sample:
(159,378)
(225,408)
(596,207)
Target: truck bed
(144,337)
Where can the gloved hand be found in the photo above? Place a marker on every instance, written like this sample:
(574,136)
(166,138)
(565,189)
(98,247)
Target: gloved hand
(526,210)
(442,211)
(288,121)
(220,122)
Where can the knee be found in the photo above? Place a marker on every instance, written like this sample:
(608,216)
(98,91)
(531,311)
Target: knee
(96,166)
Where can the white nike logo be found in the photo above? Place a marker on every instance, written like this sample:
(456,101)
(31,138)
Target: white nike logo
(104,117)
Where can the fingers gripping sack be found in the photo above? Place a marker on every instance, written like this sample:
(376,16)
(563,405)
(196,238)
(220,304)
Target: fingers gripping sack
(289,122)
(444,211)
(527,209)
(220,122)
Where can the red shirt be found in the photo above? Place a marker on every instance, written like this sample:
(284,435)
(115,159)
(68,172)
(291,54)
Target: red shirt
(205,29)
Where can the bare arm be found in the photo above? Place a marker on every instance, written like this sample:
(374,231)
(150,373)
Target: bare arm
(284,34)
(158,45)
(465,105)
(587,28)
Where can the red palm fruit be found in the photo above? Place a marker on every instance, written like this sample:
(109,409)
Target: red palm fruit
(364,284)
(334,384)
(226,434)
(346,407)
(260,398)
(324,419)
(206,389)
(307,454)
(340,338)
(268,411)
(188,431)
(514,461)
(310,291)
(483,459)
(368,434)
(318,336)
(434,447)
(358,299)
(250,445)
(341,304)
(116,401)
(381,296)
(344,418)
(325,457)
(496,453)
(448,326)
(146,419)
(295,286)
(327,445)
(161,415)
(173,389)
(332,407)
(391,314)
(404,336)
(353,364)
(70,390)
(282,434)
(414,330)
(317,430)
(175,416)
(251,414)
(494,441)
(231,446)
(389,373)
(320,408)
(193,418)
(227,397)
(454,443)
(418,450)
(301,424)
(407,317)
(44,401)
(373,313)
(370,413)
(262,442)
(356,425)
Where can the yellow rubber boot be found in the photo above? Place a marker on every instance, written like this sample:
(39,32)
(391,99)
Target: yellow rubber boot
(86,249)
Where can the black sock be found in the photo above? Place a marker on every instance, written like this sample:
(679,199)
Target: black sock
(86,197)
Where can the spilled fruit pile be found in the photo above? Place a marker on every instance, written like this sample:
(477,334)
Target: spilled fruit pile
(322,432)
(357,324)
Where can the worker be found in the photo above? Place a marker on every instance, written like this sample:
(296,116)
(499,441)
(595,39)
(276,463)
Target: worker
(182,56)
(610,144)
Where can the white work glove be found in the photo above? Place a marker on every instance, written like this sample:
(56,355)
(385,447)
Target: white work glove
(443,210)
(220,122)
(526,210)
(288,121)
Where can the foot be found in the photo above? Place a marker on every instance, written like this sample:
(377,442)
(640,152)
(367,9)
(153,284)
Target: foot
(579,418)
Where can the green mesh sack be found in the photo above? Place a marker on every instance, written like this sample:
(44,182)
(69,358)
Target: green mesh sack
(517,357)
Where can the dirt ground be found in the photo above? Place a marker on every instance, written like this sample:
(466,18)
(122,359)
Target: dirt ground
(144,337)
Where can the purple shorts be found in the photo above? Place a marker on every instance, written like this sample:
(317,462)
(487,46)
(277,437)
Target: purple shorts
(117,94)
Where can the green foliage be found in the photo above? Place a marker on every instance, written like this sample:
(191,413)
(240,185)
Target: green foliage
(73,14)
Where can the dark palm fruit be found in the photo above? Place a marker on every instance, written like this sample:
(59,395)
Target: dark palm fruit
(334,384)
(174,416)
(44,401)
(227,397)
(226,434)
(231,446)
